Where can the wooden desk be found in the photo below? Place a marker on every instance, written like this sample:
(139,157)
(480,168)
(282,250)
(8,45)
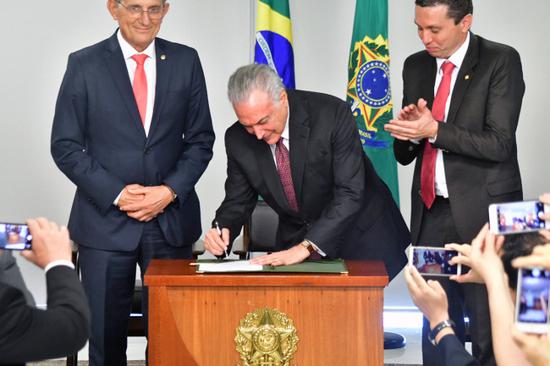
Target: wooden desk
(193,317)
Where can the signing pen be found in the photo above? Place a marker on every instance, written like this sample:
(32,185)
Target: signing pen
(220,234)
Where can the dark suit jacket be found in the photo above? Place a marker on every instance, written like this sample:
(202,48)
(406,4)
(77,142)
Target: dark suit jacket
(337,189)
(453,353)
(30,334)
(478,140)
(98,141)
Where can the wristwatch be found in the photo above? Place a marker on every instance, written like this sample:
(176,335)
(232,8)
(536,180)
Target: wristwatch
(174,194)
(438,328)
(308,245)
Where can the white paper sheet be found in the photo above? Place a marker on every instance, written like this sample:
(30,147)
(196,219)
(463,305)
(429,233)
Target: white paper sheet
(229,266)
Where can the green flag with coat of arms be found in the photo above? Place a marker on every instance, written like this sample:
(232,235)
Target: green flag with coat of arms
(369,92)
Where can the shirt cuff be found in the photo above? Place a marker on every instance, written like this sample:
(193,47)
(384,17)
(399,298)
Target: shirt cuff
(317,249)
(60,262)
(115,202)
(415,141)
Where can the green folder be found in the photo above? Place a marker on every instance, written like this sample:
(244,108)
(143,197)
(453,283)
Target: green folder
(317,266)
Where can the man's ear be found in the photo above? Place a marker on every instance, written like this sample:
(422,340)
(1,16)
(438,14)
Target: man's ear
(466,22)
(165,8)
(284,96)
(112,6)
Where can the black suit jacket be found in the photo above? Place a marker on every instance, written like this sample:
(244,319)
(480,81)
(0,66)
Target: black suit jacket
(478,140)
(453,353)
(29,334)
(98,141)
(337,189)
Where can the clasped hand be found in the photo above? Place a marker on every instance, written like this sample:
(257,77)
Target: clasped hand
(144,203)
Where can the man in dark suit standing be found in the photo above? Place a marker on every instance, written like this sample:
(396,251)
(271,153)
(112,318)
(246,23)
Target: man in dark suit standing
(465,146)
(30,334)
(301,152)
(132,130)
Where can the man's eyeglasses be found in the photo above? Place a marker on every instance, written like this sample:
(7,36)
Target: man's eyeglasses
(154,12)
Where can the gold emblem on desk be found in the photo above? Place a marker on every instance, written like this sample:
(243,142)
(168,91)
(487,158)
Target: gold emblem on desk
(266,337)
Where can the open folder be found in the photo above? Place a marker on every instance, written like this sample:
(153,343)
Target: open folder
(228,266)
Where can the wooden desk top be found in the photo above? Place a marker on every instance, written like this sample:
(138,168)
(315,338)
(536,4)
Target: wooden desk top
(179,272)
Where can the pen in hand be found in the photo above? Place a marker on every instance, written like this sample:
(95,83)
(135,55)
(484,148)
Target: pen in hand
(220,234)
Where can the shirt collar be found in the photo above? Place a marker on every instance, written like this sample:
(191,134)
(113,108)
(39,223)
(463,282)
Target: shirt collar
(286,133)
(458,57)
(128,51)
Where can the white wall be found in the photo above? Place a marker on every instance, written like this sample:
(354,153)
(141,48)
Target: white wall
(39,36)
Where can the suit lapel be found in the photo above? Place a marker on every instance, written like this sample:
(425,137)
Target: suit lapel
(119,72)
(464,77)
(299,136)
(164,70)
(428,87)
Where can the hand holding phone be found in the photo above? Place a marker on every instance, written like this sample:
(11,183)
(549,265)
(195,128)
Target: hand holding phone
(433,261)
(533,289)
(15,236)
(518,217)
(51,243)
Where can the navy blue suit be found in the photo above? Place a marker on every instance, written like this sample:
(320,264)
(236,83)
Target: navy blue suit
(98,141)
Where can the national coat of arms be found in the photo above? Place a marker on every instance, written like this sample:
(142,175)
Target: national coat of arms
(266,337)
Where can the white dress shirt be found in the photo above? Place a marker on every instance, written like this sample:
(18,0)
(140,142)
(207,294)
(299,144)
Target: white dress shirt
(59,262)
(456,59)
(150,67)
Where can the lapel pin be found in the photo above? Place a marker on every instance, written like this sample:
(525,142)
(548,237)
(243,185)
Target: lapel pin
(163,57)
(467,77)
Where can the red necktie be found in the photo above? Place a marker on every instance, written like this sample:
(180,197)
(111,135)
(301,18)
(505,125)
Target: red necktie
(140,85)
(283,168)
(427,173)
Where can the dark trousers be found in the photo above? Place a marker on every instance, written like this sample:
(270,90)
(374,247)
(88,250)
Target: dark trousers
(437,229)
(108,278)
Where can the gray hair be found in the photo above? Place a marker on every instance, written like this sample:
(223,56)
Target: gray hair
(252,77)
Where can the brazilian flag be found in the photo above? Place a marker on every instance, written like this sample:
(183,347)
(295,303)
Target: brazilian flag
(274,39)
(369,93)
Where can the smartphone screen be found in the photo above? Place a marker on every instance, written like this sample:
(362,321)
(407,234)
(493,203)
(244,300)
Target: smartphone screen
(14,236)
(516,217)
(532,300)
(433,261)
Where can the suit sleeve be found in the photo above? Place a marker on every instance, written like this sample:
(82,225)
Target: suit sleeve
(405,151)
(495,141)
(69,145)
(453,353)
(29,334)
(198,137)
(348,181)
(240,197)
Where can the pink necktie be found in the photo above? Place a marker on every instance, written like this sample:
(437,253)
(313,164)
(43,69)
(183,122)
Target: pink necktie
(140,85)
(427,173)
(283,168)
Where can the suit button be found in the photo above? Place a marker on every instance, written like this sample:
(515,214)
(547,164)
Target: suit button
(411,148)
(420,192)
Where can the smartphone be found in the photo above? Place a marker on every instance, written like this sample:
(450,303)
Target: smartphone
(517,217)
(433,261)
(14,236)
(532,300)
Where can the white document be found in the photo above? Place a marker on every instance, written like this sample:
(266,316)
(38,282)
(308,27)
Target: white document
(229,266)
